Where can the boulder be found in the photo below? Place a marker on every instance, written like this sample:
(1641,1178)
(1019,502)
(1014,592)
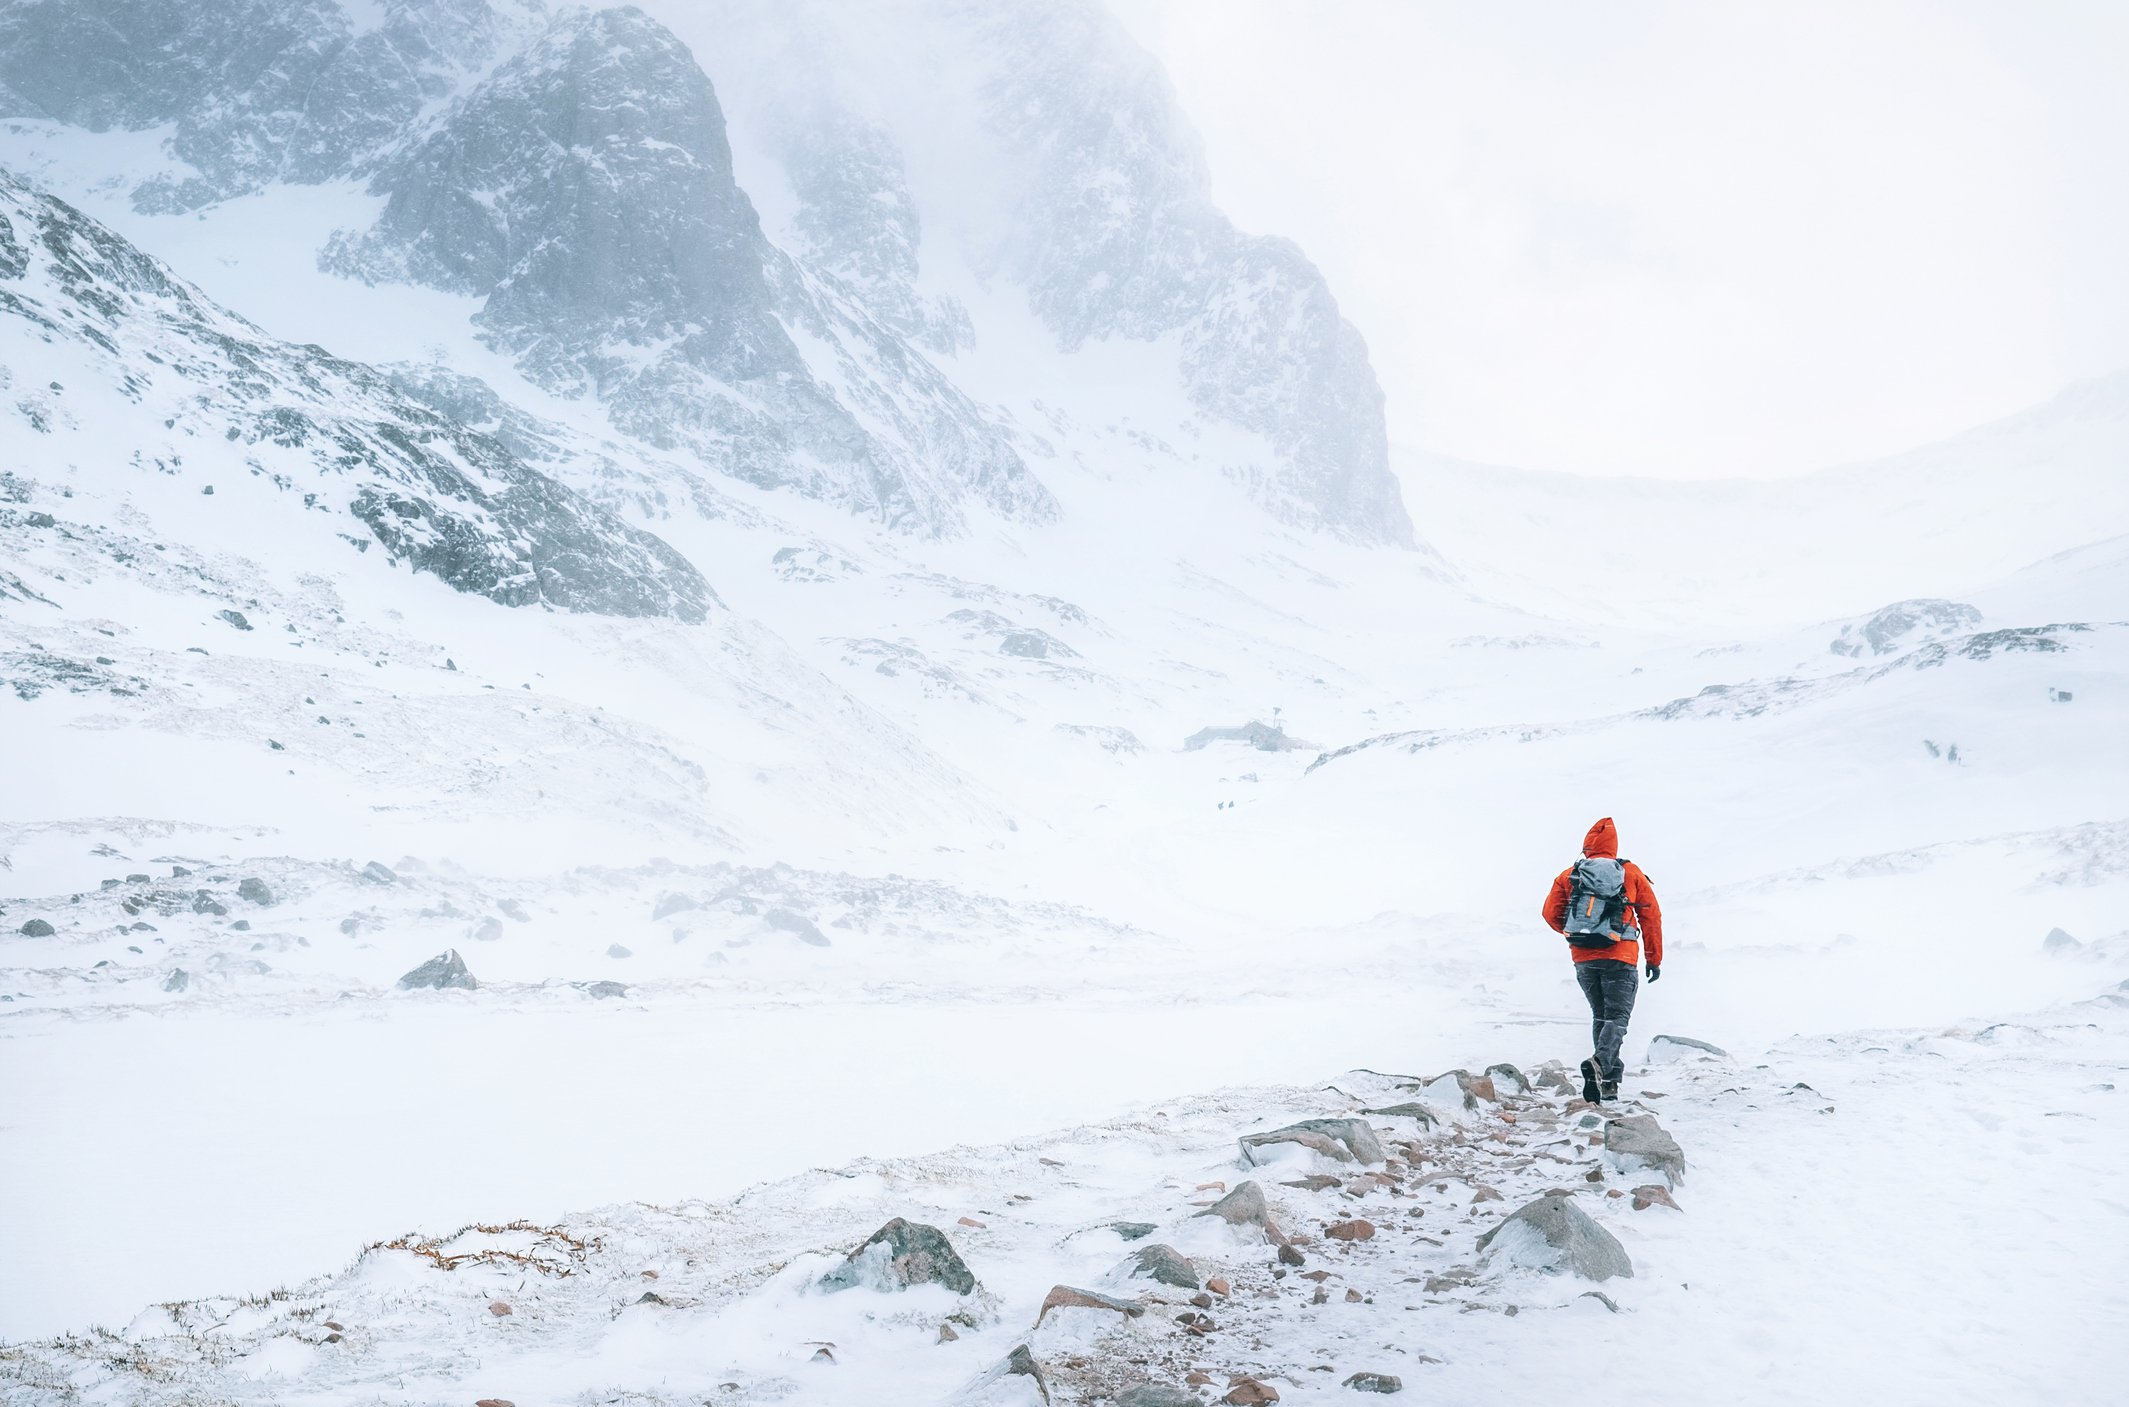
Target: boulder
(1459,1089)
(1652,1194)
(446,969)
(489,930)
(602,990)
(1343,1140)
(1554,1235)
(901,1254)
(37,928)
(255,890)
(1158,1395)
(235,618)
(1375,1382)
(1014,1381)
(672,904)
(1509,1080)
(1358,1229)
(1666,1049)
(1071,1297)
(1167,1265)
(1638,1141)
(375,873)
(1249,1392)
(1552,1075)
(2058,941)
(615,950)
(784,921)
(1245,1206)
(177,981)
(204,902)
(1133,1230)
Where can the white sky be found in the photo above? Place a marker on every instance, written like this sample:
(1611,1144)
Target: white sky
(1684,239)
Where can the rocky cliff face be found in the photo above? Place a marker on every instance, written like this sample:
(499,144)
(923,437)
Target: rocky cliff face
(137,373)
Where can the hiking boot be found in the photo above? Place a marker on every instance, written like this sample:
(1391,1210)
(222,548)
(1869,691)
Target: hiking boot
(1590,1092)
(1610,1090)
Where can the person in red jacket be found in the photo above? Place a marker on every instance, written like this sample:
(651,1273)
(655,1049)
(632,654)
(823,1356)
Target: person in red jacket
(1607,910)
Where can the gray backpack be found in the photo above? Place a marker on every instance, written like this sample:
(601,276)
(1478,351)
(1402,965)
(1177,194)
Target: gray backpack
(1596,903)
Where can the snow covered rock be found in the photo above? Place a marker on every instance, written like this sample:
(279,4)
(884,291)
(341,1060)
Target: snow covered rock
(1342,1140)
(1245,1206)
(901,1254)
(256,890)
(1064,1297)
(1508,1079)
(1165,1264)
(1668,1049)
(1554,1235)
(1637,1141)
(2059,941)
(37,928)
(446,970)
(1375,1382)
(1902,624)
(1014,1381)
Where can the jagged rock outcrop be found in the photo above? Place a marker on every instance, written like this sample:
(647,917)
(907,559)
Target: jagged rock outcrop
(332,442)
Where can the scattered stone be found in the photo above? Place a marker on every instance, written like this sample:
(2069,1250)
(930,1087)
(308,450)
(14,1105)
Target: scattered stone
(1245,1206)
(204,902)
(1218,1285)
(824,1353)
(1248,1392)
(971,1221)
(374,873)
(490,929)
(785,921)
(1484,1194)
(2058,941)
(1314,1182)
(499,1309)
(1358,1229)
(242,925)
(1669,1048)
(38,928)
(1375,1382)
(255,890)
(235,618)
(1291,1255)
(1354,1297)
(1638,1141)
(615,950)
(1553,1234)
(652,1297)
(1070,1297)
(1507,1077)
(177,981)
(1342,1140)
(1601,1298)
(900,1254)
(1196,1378)
(446,969)
(1201,1300)
(1157,1395)
(947,1334)
(493,1402)
(1133,1230)
(1167,1265)
(1653,1195)
(600,991)
(180,872)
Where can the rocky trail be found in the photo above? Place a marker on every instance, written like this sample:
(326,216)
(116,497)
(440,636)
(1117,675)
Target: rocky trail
(1481,1235)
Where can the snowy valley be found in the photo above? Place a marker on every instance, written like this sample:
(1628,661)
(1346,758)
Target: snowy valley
(618,625)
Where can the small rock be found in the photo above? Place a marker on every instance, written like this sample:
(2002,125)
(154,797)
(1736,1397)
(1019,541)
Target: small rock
(600,991)
(1195,1378)
(235,618)
(1248,1392)
(2058,941)
(177,981)
(615,950)
(1071,1297)
(1157,1395)
(1484,1194)
(1375,1382)
(1507,1076)
(38,928)
(1314,1182)
(1322,1295)
(1601,1298)
(947,1334)
(1638,1141)
(446,970)
(1354,1297)
(204,902)
(255,890)
(991,1385)
(1133,1230)
(242,925)
(652,1297)
(374,873)
(672,904)
(824,1353)
(1245,1206)
(493,1402)
(1291,1255)
(490,929)
(1166,1265)
(1218,1285)
(1413,1110)
(1653,1194)
(1201,1300)
(499,1309)
(512,909)
(900,1254)
(1358,1229)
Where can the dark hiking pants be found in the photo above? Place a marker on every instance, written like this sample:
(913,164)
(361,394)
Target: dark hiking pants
(1610,987)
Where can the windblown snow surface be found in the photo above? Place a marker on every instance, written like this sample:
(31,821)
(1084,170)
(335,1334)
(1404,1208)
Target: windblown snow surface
(818,837)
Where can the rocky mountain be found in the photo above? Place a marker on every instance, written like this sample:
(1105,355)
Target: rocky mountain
(137,374)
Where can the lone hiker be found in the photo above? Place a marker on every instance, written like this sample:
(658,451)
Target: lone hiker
(1606,909)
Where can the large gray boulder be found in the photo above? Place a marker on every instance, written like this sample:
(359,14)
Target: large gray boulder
(447,969)
(37,928)
(1167,1265)
(1342,1140)
(1554,1235)
(1637,1141)
(901,1254)
(256,890)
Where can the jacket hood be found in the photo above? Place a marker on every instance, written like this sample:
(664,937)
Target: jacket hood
(1602,840)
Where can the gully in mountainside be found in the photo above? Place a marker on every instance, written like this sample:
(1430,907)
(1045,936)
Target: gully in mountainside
(1606,909)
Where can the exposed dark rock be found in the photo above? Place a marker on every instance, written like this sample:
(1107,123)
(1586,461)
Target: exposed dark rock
(1245,1206)
(1375,1382)
(255,890)
(1904,623)
(1027,644)
(446,969)
(1509,1080)
(989,1385)
(1167,1265)
(37,928)
(242,925)
(1555,1235)
(512,909)
(235,618)
(900,1254)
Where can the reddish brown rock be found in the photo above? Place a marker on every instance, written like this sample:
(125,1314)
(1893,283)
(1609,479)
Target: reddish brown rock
(971,1221)
(1067,1297)
(499,1309)
(1358,1229)
(1654,1194)
(1217,1284)
(1250,1393)
(1353,1297)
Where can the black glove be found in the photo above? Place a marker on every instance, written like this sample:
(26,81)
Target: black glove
(1654,972)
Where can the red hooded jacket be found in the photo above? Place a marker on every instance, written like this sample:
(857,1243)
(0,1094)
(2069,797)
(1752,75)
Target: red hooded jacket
(1641,910)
